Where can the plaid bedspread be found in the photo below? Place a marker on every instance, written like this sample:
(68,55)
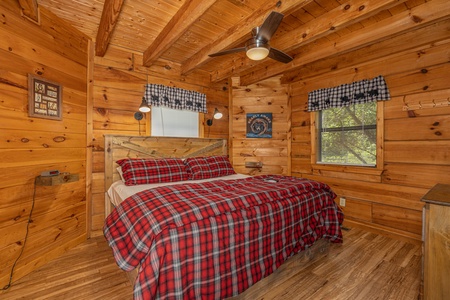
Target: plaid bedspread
(213,240)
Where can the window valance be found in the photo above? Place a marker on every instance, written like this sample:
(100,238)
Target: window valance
(363,91)
(175,98)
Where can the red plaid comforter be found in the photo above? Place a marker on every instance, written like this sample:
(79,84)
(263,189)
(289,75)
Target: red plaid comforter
(213,240)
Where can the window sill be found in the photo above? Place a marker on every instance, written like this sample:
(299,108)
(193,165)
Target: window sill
(370,174)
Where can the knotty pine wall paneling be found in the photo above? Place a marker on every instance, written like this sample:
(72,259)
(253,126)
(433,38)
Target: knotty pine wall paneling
(416,141)
(28,146)
(119,83)
(268,96)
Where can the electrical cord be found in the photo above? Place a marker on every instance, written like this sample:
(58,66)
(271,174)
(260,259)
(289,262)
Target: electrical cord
(25,239)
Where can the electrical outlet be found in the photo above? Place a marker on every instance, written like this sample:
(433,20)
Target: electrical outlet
(342,201)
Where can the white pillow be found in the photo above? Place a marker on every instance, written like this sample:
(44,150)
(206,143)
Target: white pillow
(119,170)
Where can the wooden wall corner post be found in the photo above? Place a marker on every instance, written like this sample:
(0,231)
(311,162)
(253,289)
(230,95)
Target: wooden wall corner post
(201,125)
(89,136)
(233,82)
(380,135)
(148,123)
(289,132)
(313,130)
(108,171)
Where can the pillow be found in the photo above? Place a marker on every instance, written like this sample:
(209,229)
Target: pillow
(143,170)
(208,167)
(119,170)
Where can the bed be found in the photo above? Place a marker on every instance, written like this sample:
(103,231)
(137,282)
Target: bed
(210,234)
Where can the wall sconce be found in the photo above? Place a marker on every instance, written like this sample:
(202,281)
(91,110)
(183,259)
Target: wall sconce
(144,106)
(217,115)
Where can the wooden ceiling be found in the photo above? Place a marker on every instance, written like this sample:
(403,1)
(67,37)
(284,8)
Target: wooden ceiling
(186,31)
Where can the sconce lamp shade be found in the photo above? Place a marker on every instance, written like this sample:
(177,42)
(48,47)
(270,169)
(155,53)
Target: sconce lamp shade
(144,106)
(217,115)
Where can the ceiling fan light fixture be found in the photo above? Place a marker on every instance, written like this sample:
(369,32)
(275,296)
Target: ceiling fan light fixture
(257,49)
(257,53)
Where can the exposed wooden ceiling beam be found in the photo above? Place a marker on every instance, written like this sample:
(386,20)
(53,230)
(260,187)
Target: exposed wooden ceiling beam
(178,25)
(340,17)
(345,15)
(408,20)
(110,15)
(240,30)
(30,9)
(425,38)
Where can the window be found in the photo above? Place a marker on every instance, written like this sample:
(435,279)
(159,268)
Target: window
(173,122)
(348,135)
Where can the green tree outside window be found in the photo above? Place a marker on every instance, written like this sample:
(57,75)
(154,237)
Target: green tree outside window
(348,135)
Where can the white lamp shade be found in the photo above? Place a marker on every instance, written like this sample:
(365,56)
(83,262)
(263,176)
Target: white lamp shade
(144,106)
(144,109)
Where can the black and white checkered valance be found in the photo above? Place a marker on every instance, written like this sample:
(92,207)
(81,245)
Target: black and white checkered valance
(363,91)
(175,98)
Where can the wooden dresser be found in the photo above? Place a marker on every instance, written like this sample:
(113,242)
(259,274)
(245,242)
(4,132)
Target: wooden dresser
(436,238)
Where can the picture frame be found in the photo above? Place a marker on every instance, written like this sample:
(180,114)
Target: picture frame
(44,98)
(259,125)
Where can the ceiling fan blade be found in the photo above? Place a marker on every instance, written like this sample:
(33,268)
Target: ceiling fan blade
(279,55)
(270,25)
(229,51)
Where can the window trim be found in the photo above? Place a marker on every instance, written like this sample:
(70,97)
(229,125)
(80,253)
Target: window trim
(320,168)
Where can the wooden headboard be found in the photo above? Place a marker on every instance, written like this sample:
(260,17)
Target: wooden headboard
(123,146)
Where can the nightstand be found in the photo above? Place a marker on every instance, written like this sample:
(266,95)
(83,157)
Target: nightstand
(436,243)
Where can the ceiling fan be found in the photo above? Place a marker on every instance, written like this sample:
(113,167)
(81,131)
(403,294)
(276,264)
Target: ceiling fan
(258,48)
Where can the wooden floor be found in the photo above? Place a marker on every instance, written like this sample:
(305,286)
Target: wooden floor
(367,266)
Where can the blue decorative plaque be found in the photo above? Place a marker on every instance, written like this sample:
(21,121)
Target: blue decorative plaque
(259,125)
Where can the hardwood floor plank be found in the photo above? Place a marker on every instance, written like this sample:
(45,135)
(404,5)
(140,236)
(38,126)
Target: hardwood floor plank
(365,266)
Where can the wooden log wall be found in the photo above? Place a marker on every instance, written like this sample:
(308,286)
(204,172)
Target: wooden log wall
(30,145)
(416,128)
(119,82)
(268,96)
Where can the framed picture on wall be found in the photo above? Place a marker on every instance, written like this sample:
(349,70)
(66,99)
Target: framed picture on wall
(259,125)
(44,98)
